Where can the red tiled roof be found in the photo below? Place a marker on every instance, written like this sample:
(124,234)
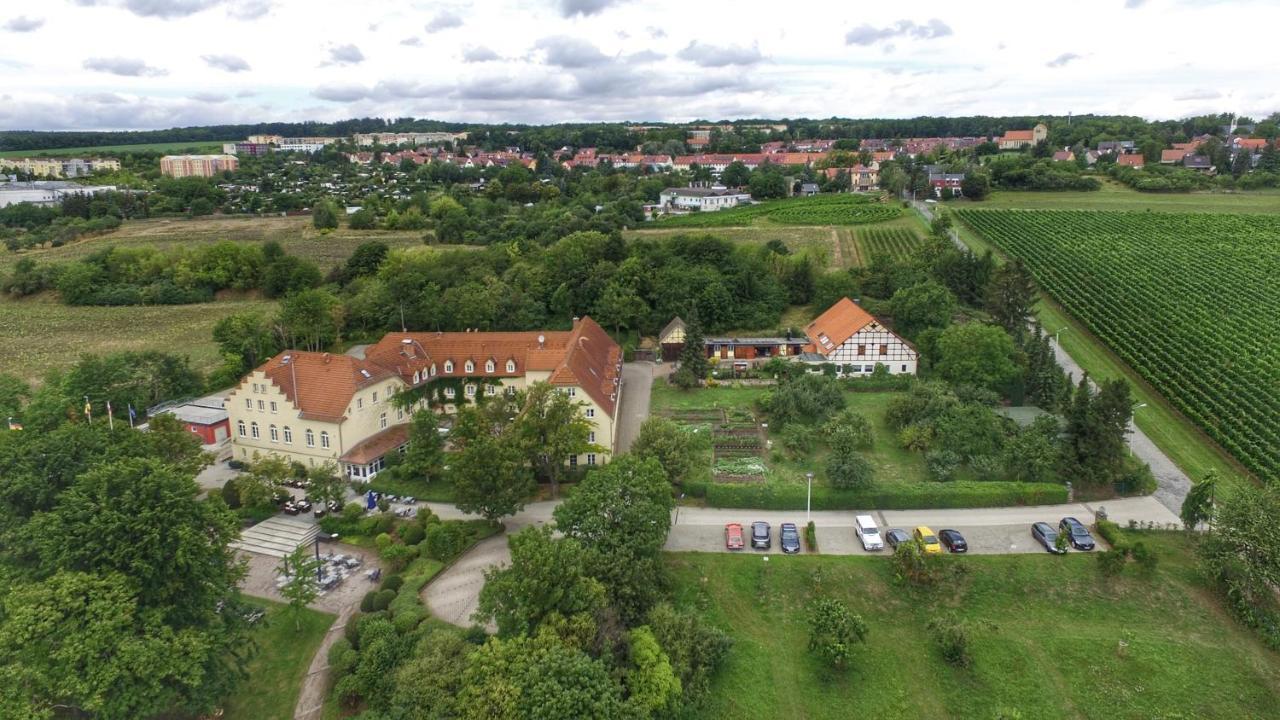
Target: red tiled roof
(1018,135)
(1251,143)
(1132,160)
(324,384)
(1174,155)
(837,324)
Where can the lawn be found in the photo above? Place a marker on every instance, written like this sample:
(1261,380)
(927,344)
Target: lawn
(40,333)
(193,146)
(281,662)
(797,239)
(1114,196)
(1050,639)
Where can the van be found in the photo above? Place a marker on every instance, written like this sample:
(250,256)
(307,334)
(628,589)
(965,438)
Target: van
(868,533)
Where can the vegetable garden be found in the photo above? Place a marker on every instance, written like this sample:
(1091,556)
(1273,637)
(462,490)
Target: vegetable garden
(846,209)
(1191,301)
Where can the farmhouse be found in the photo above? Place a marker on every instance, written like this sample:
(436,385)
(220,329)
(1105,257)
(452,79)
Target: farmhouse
(704,199)
(1133,161)
(672,338)
(946,183)
(1064,156)
(856,342)
(311,407)
(1018,139)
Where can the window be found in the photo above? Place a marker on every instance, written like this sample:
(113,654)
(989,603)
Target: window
(275,434)
(417,378)
(255,387)
(399,413)
(261,406)
(572,392)
(433,369)
(471,390)
(324,439)
(884,349)
(240,427)
(382,420)
(511,366)
(488,366)
(469,367)
(375,396)
(448,367)
(862,349)
(248,404)
(904,368)
(311,438)
(591,437)
(591,412)
(449,393)
(273,406)
(490,390)
(288,435)
(253,430)
(359,403)
(573,461)
(591,458)
(868,368)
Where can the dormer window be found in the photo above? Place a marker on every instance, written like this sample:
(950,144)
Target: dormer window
(511,366)
(470,367)
(488,366)
(417,378)
(433,369)
(448,367)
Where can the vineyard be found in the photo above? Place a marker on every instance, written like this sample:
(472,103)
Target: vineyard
(815,210)
(1191,301)
(895,243)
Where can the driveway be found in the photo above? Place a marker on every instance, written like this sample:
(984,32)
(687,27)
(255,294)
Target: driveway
(637,381)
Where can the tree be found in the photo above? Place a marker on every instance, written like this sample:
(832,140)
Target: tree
(807,399)
(327,484)
(301,587)
(265,475)
(552,428)
(1010,297)
(652,685)
(1242,556)
(545,576)
(767,183)
(309,320)
(979,355)
(833,631)
(620,307)
(1197,507)
(491,476)
(922,306)
(13,394)
(693,356)
(674,446)
(511,679)
(976,186)
(847,468)
(849,428)
(425,457)
(1045,385)
(735,174)
(1094,447)
(1032,454)
(325,215)
(363,219)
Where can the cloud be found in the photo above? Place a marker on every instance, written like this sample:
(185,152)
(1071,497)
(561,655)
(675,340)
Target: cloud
(387,90)
(645,56)
(412,42)
(1131,4)
(1062,60)
(568,52)
(210,97)
(443,21)
(479,54)
(127,67)
(569,8)
(869,35)
(23,24)
(163,9)
(714,56)
(345,55)
(655,32)
(249,9)
(1199,94)
(341,93)
(104,98)
(230,63)
(107,111)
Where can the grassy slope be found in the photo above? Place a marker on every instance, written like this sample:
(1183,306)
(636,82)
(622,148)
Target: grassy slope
(1046,640)
(197,147)
(41,333)
(276,671)
(1182,441)
(1114,196)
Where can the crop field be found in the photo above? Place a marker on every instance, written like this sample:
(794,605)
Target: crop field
(816,210)
(169,147)
(1114,196)
(1190,301)
(893,242)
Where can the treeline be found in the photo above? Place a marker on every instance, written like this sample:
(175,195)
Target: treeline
(147,276)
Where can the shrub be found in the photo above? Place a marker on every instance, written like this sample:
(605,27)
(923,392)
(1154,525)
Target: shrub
(1110,532)
(847,468)
(476,635)
(347,691)
(382,599)
(298,470)
(952,638)
(406,620)
(1111,562)
(392,582)
(446,540)
(833,630)
(1145,557)
(342,657)
(849,428)
(811,536)
(412,534)
(915,566)
(960,494)
(231,494)
(384,504)
(352,511)
(382,541)
(942,464)
(398,556)
(366,603)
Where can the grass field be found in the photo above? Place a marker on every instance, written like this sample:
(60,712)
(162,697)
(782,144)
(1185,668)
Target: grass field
(169,147)
(1185,444)
(831,209)
(1114,196)
(1047,638)
(295,234)
(283,657)
(40,333)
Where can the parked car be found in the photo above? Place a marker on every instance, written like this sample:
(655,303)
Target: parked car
(733,536)
(1077,534)
(1044,533)
(953,541)
(865,528)
(789,538)
(928,541)
(896,537)
(761,538)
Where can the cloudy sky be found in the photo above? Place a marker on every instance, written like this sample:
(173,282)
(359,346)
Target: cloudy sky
(114,64)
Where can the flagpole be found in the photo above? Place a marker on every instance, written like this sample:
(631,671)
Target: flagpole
(88,410)
(111,421)
(130,415)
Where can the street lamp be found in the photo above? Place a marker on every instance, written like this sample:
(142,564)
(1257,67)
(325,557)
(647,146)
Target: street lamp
(1059,332)
(1133,422)
(808,497)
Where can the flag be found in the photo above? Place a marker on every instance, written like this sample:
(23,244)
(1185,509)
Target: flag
(133,414)
(111,421)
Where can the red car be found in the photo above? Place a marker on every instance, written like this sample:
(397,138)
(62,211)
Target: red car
(733,536)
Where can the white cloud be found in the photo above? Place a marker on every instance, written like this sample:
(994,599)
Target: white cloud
(479,54)
(230,63)
(412,42)
(867,34)
(125,67)
(444,20)
(23,24)
(345,55)
(569,8)
(719,56)
(1063,59)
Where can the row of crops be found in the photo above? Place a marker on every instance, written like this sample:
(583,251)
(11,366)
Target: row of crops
(1191,301)
(896,243)
(845,209)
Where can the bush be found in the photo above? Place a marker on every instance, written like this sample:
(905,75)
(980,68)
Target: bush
(1111,562)
(446,540)
(952,638)
(848,469)
(352,511)
(1145,557)
(942,464)
(398,556)
(392,582)
(833,630)
(382,541)
(476,635)
(347,691)
(915,566)
(366,603)
(231,494)
(412,534)
(342,657)
(382,599)
(1110,532)
(811,536)
(960,494)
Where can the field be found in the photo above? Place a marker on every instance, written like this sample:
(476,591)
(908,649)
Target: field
(40,333)
(797,239)
(1189,301)
(815,210)
(1114,196)
(295,234)
(276,672)
(894,242)
(1050,639)
(169,147)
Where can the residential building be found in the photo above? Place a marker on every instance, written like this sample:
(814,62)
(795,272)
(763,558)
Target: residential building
(206,418)
(862,178)
(1199,163)
(1119,147)
(179,166)
(853,340)
(249,149)
(703,199)
(45,192)
(1174,155)
(405,138)
(946,183)
(1018,139)
(737,349)
(1250,144)
(1064,156)
(1136,160)
(59,167)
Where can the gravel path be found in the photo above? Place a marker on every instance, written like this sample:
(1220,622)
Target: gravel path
(316,684)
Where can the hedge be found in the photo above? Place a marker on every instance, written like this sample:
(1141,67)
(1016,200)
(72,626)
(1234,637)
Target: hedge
(888,497)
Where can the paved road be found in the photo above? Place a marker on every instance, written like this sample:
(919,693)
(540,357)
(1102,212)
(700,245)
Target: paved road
(637,381)
(316,684)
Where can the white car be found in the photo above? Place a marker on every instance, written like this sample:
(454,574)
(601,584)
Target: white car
(868,533)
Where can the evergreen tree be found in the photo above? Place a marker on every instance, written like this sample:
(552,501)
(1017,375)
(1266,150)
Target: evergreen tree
(1010,295)
(693,356)
(1046,385)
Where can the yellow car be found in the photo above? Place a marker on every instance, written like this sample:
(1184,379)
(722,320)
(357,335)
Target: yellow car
(927,539)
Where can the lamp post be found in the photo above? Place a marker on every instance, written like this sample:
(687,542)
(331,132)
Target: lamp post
(1058,332)
(1134,423)
(808,497)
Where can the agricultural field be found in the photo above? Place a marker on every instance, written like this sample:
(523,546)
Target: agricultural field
(845,209)
(38,334)
(169,147)
(1049,639)
(798,239)
(1114,196)
(1189,301)
(894,242)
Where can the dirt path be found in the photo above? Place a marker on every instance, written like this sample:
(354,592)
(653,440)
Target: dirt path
(316,684)
(837,255)
(853,251)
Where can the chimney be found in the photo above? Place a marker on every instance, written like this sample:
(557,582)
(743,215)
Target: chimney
(575,321)
(326,358)
(542,339)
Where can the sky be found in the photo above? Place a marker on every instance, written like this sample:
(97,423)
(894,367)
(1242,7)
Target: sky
(145,64)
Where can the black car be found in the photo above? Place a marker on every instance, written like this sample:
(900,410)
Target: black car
(1076,533)
(1044,533)
(761,539)
(789,538)
(952,540)
(896,537)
